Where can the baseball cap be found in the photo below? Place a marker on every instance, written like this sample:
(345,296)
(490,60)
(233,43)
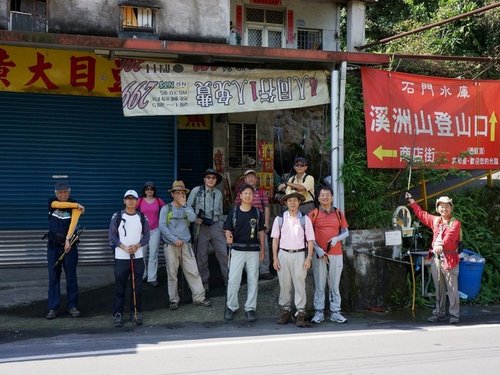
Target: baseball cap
(132,193)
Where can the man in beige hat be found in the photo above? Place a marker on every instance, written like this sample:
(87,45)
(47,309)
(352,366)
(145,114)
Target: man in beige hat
(293,241)
(445,260)
(174,227)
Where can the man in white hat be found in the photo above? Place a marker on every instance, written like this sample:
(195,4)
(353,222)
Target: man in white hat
(128,234)
(293,241)
(174,226)
(444,255)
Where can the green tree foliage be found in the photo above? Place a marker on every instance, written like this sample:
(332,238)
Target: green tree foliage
(476,36)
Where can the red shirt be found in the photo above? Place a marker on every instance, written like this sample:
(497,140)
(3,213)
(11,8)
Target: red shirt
(327,225)
(450,234)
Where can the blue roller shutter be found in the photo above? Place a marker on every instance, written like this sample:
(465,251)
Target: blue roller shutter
(87,139)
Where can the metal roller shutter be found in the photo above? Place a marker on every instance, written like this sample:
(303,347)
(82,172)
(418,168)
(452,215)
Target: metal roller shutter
(87,139)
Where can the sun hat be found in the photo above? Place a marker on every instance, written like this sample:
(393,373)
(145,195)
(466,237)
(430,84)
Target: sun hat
(444,200)
(293,194)
(214,172)
(179,186)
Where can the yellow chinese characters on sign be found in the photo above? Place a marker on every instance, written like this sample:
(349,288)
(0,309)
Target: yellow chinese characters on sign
(194,122)
(62,72)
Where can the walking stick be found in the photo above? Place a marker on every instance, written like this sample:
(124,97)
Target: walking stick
(134,297)
(228,249)
(74,238)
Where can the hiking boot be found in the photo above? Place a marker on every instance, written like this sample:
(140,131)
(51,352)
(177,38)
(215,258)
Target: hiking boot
(118,320)
(204,302)
(51,314)
(453,319)
(250,316)
(284,316)
(300,319)
(436,318)
(318,317)
(228,314)
(337,318)
(74,312)
(173,305)
(138,320)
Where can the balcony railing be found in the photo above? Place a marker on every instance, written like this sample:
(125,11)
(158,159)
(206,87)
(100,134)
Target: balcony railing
(20,21)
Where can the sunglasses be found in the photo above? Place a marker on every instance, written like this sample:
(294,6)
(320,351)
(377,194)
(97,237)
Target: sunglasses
(211,177)
(300,165)
(149,188)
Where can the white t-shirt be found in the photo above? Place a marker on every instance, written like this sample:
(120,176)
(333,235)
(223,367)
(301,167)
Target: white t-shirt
(130,233)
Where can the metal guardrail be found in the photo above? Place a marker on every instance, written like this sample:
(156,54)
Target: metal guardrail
(21,21)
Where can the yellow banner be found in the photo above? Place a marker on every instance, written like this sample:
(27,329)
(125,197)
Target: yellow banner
(62,72)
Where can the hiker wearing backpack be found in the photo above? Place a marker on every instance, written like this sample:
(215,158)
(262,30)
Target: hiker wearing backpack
(293,240)
(174,226)
(245,236)
(444,255)
(206,201)
(261,202)
(128,234)
(302,183)
(330,228)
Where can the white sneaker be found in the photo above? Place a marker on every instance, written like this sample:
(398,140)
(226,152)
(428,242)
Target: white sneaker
(337,317)
(318,317)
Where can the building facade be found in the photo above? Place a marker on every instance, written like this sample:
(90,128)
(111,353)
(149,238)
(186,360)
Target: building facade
(60,97)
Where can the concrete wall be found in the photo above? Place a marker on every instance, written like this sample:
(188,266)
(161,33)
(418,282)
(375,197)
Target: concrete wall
(194,20)
(4,15)
(371,277)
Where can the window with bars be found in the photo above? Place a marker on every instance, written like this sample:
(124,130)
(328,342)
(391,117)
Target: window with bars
(265,27)
(134,18)
(28,15)
(309,39)
(242,145)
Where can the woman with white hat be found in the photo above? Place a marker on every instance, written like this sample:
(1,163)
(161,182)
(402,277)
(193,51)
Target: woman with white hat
(444,255)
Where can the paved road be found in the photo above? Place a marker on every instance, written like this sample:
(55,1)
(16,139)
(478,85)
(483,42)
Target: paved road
(265,348)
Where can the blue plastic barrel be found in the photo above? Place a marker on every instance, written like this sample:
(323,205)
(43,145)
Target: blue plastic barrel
(469,276)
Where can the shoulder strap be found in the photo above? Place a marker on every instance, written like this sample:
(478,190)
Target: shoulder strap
(168,216)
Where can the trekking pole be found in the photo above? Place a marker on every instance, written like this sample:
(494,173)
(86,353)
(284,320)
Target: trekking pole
(181,274)
(134,297)
(228,249)
(74,237)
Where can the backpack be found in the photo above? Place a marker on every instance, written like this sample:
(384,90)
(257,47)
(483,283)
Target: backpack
(118,222)
(313,194)
(302,220)
(234,215)
(170,213)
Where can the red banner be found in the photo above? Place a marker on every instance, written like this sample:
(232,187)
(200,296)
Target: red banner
(443,122)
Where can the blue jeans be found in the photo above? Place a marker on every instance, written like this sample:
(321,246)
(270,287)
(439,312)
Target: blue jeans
(69,264)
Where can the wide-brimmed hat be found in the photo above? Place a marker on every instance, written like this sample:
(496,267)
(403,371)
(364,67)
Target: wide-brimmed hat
(179,186)
(444,200)
(214,172)
(293,194)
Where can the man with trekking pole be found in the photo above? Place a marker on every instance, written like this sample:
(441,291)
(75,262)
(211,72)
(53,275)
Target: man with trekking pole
(244,228)
(174,227)
(62,251)
(443,255)
(128,234)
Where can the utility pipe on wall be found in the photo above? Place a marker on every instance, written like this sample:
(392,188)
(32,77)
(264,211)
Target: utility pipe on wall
(334,135)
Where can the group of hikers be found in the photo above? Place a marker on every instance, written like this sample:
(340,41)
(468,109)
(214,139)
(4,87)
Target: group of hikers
(307,234)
